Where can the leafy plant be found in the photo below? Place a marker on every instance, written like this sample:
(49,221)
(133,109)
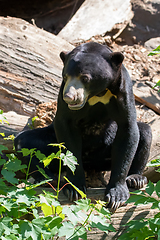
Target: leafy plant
(145,228)
(2,118)
(154,52)
(157,85)
(32,124)
(20,206)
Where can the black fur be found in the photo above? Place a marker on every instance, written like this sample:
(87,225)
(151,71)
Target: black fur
(103,135)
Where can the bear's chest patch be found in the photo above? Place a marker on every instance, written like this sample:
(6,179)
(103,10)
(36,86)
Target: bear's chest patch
(94,129)
(103,99)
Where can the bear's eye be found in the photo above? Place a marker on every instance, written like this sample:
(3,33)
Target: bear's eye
(65,78)
(85,78)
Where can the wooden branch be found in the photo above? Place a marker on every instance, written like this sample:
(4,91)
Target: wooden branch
(148,104)
(146,95)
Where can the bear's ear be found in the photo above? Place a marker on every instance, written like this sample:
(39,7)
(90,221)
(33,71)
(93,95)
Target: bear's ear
(117,58)
(63,56)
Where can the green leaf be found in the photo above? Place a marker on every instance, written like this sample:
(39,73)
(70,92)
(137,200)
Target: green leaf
(154,163)
(2,210)
(158,234)
(2,161)
(45,206)
(58,211)
(2,134)
(2,148)
(135,197)
(38,184)
(157,215)
(47,160)
(40,155)
(50,205)
(22,198)
(149,188)
(35,229)
(60,145)
(77,189)
(2,184)
(53,222)
(79,233)
(46,209)
(105,212)
(14,165)
(157,84)
(67,229)
(155,221)
(103,227)
(69,160)
(41,170)
(157,188)
(71,215)
(8,204)
(155,51)
(83,204)
(137,224)
(49,199)
(9,176)
(26,151)
(5,225)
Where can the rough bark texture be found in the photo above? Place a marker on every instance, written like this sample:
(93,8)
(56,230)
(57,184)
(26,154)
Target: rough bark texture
(30,67)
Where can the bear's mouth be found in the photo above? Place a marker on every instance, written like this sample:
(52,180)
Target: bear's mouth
(76,106)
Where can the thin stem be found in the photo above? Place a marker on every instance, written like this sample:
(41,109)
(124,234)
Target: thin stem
(52,186)
(64,186)
(29,166)
(82,224)
(59,174)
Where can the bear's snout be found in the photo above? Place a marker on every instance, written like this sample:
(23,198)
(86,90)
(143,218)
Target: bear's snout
(70,95)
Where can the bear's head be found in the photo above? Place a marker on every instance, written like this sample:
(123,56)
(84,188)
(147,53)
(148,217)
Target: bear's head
(88,71)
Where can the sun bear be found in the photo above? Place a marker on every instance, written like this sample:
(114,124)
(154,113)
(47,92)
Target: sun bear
(96,119)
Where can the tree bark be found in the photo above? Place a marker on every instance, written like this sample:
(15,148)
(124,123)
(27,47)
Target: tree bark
(30,66)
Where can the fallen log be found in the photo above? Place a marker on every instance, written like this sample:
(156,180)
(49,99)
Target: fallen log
(30,66)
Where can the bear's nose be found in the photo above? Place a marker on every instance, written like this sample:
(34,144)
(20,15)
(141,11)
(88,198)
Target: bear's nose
(69,97)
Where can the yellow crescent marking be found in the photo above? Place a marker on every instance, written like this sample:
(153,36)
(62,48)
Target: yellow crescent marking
(104,99)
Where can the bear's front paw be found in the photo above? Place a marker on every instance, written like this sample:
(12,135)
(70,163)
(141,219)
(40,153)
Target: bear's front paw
(136,181)
(116,196)
(70,192)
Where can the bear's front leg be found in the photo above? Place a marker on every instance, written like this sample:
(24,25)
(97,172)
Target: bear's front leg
(116,196)
(123,152)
